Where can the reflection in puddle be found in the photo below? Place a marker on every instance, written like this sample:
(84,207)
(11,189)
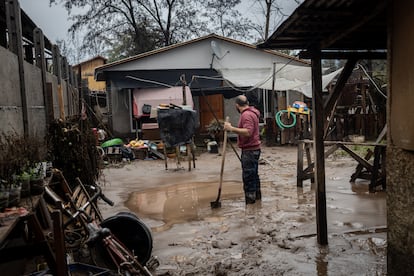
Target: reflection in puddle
(321,261)
(181,202)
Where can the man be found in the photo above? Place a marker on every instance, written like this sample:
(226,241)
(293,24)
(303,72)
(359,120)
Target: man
(249,141)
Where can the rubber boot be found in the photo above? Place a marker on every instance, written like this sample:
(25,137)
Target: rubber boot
(250,197)
(258,195)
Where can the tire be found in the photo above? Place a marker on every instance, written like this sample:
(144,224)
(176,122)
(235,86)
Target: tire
(132,232)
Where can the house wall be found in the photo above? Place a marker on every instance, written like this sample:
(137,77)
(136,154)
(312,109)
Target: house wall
(400,149)
(201,56)
(87,72)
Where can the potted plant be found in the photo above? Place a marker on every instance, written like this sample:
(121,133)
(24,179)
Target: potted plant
(36,180)
(215,129)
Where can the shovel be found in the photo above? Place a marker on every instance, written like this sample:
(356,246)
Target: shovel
(217,203)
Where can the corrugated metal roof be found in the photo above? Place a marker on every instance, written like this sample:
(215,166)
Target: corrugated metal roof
(333,25)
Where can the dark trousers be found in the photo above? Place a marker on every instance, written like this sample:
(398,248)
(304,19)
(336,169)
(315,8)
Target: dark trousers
(250,168)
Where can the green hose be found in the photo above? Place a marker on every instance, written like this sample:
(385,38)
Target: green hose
(279,121)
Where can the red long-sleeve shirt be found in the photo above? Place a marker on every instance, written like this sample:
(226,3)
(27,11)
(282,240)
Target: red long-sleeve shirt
(249,119)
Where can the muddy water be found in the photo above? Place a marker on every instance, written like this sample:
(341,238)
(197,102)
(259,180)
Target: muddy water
(276,236)
(179,203)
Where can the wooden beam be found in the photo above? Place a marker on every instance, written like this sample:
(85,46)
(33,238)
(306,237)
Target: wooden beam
(345,55)
(318,123)
(333,98)
(358,158)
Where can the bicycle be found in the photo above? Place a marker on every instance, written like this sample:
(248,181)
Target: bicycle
(98,237)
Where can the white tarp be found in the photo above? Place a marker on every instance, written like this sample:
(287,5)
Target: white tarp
(326,79)
(288,77)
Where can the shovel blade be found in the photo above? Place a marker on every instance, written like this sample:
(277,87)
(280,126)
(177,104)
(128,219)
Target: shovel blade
(215,204)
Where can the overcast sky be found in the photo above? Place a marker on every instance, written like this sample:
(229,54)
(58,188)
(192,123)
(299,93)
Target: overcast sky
(53,20)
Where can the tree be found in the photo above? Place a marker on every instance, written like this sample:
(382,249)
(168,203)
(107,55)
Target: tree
(226,21)
(274,12)
(128,27)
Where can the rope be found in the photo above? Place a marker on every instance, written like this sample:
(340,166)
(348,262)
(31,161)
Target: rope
(279,121)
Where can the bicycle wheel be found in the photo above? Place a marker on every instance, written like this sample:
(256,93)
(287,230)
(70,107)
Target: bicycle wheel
(130,231)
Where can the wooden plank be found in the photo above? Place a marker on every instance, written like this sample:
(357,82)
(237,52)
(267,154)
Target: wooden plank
(76,192)
(376,169)
(359,167)
(59,244)
(81,200)
(348,143)
(359,159)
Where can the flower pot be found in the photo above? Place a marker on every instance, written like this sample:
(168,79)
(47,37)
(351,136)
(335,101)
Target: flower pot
(25,184)
(36,186)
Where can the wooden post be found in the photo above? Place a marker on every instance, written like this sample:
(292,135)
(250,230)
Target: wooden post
(270,125)
(189,153)
(364,110)
(281,105)
(375,169)
(39,44)
(14,26)
(184,83)
(59,242)
(333,98)
(57,71)
(165,154)
(318,134)
(3,34)
(299,170)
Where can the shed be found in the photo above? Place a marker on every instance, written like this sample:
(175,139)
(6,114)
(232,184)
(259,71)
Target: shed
(215,69)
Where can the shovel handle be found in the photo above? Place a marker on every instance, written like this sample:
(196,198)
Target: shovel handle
(223,153)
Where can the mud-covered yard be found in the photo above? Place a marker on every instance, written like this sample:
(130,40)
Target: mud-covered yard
(276,236)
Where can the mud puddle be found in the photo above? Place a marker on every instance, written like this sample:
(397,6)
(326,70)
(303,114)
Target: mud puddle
(166,206)
(276,236)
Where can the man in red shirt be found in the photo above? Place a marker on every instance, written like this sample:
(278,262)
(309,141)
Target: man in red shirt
(249,142)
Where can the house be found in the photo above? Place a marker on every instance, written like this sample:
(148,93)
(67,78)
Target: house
(352,30)
(93,91)
(215,69)
(85,71)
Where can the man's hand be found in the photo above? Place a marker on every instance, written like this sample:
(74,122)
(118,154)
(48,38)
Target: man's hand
(227,126)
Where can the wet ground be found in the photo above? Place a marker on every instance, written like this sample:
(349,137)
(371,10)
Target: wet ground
(275,236)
